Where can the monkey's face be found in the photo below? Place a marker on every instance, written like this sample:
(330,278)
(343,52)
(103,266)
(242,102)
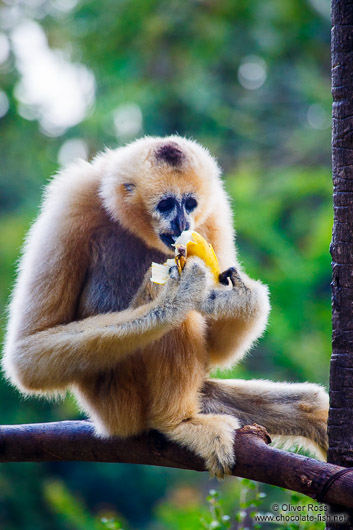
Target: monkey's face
(173,214)
(174,201)
(157,188)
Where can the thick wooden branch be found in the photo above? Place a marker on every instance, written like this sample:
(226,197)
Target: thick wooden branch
(75,440)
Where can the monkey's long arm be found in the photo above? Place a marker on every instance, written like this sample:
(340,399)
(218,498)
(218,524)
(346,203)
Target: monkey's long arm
(54,358)
(238,316)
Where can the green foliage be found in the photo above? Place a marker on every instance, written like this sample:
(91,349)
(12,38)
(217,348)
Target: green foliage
(72,511)
(111,524)
(250,500)
(68,508)
(237,506)
(244,501)
(290,252)
(180,64)
(217,518)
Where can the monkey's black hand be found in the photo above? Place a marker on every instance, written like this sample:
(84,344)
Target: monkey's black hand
(230,274)
(221,302)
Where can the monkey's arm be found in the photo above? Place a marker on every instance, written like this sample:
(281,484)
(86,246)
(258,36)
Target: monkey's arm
(237,317)
(54,358)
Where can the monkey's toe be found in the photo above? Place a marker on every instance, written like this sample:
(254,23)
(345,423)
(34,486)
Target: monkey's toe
(221,463)
(221,460)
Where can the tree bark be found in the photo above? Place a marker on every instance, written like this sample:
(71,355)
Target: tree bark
(75,440)
(340,422)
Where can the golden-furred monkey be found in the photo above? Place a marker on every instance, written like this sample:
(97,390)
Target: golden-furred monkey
(85,315)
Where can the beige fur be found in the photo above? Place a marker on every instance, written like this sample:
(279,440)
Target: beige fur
(85,316)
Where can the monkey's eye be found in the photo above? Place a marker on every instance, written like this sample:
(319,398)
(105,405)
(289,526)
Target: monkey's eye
(166,205)
(190,204)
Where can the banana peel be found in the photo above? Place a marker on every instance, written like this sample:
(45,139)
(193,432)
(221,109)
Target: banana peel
(189,243)
(160,272)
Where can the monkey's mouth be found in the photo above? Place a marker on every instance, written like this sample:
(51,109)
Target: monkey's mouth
(168,240)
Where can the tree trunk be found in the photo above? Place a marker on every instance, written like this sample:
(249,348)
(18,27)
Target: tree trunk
(340,423)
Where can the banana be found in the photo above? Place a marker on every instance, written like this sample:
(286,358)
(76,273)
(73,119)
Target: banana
(188,244)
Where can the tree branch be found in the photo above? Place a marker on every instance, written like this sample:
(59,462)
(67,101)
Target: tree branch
(75,440)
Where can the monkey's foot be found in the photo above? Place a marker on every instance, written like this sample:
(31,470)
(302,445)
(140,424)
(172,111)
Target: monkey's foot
(219,453)
(211,436)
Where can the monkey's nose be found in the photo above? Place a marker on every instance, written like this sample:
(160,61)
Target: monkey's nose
(179,225)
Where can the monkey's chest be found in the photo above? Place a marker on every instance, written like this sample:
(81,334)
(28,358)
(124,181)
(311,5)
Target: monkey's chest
(118,264)
(179,358)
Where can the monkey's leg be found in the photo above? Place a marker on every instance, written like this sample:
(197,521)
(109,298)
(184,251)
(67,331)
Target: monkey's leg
(290,412)
(209,435)
(54,358)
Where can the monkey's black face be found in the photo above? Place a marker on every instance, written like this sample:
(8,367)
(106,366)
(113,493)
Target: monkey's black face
(175,216)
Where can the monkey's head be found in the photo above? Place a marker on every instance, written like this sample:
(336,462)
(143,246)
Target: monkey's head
(159,187)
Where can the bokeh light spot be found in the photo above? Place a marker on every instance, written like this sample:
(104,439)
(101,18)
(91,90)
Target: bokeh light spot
(4,103)
(71,150)
(318,117)
(128,121)
(55,91)
(252,72)
(4,48)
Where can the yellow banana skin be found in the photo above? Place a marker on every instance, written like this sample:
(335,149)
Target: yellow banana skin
(199,247)
(188,244)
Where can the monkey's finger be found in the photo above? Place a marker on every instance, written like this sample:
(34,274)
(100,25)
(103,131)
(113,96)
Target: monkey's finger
(174,273)
(229,274)
(194,263)
(237,280)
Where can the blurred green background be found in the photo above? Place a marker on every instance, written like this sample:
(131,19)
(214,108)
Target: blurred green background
(249,80)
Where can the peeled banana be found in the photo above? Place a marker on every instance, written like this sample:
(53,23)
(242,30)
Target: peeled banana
(188,244)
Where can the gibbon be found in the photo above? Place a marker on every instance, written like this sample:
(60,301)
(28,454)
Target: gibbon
(86,317)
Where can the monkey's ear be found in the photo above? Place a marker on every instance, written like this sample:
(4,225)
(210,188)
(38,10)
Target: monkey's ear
(129,187)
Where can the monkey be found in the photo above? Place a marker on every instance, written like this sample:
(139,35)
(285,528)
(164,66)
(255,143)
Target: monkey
(85,316)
